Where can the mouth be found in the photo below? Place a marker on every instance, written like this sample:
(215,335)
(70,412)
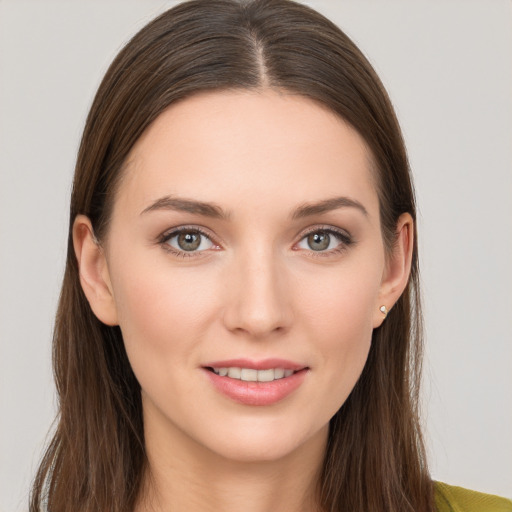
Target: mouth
(256,383)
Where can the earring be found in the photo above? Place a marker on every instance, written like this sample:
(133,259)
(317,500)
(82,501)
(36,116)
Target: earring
(384,311)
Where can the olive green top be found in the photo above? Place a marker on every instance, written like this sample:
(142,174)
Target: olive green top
(456,499)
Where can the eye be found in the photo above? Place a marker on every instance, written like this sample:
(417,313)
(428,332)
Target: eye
(187,241)
(324,240)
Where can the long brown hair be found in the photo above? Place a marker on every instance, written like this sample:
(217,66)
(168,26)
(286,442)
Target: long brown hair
(96,460)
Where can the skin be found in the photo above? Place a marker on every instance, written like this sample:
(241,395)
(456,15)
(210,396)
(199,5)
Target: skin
(257,290)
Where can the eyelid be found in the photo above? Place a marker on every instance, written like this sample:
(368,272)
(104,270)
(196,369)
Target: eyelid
(342,233)
(325,227)
(168,233)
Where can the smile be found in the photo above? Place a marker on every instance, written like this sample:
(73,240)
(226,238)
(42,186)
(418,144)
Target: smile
(256,383)
(252,375)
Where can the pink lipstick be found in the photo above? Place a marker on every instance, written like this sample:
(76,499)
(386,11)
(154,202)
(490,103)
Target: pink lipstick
(263,382)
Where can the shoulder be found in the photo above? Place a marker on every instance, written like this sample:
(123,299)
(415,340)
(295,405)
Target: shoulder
(449,498)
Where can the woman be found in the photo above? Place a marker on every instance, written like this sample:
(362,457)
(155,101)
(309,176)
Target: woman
(239,322)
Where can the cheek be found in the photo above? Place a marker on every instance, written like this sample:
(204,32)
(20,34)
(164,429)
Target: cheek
(339,312)
(162,314)
(341,302)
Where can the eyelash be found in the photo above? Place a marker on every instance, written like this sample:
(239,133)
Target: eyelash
(343,237)
(164,239)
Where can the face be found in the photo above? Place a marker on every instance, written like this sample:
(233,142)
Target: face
(245,239)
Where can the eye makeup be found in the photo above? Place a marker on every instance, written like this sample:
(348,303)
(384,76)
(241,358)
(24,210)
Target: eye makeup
(192,236)
(193,241)
(323,238)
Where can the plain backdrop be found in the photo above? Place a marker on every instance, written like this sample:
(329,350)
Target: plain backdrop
(448,67)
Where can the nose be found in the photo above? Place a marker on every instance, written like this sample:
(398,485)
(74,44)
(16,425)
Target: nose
(258,298)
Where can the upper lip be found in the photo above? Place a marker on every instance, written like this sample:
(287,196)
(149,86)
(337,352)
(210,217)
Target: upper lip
(262,364)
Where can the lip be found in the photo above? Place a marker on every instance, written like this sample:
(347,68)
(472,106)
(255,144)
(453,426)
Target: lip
(263,364)
(256,393)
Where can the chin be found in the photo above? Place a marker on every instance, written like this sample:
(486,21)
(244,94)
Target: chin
(264,444)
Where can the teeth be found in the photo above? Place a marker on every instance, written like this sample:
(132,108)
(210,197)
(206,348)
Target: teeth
(234,373)
(278,373)
(266,375)
(251,375)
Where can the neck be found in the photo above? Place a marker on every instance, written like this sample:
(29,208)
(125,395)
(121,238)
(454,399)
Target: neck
(185,477)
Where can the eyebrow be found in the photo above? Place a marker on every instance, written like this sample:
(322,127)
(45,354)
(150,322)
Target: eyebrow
(214,211)
(187,205)
(327,205)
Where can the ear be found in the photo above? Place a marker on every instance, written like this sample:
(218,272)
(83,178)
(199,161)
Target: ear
(398,267)
(93,270)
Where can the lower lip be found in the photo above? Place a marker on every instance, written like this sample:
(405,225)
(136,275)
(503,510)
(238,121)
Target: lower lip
(257,393)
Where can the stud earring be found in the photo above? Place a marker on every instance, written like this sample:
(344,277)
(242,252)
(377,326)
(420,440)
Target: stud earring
(384,311)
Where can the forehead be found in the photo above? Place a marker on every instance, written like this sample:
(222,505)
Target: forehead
(250,149)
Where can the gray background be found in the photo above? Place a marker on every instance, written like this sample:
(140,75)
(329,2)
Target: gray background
(447,66)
